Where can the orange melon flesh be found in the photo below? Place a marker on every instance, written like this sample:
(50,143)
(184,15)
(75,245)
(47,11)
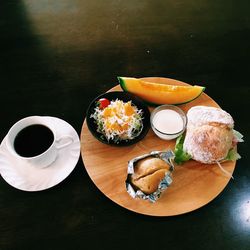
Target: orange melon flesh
(158,93)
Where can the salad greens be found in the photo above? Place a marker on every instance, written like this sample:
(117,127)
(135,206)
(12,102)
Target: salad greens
(232,153)
(118,120)
(180,155)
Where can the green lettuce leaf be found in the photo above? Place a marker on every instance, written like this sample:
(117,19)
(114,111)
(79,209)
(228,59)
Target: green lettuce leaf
(232,155)
(180,155)
(238,136)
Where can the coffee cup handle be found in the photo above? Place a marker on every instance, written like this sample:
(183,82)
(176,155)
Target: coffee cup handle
(62,144)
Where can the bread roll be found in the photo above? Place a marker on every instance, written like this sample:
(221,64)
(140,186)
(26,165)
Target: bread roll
(148,174)
(209,134)
(203,115)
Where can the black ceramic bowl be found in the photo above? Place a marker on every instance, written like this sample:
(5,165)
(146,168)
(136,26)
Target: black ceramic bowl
(124,96)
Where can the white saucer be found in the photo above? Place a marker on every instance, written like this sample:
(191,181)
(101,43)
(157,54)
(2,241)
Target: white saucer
(30,178)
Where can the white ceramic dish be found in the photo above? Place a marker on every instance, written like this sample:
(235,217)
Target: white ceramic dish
(170,123)
(31,178)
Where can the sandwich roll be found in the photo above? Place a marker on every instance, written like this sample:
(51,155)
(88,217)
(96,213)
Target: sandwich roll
(203,115)
(209,134)
(208,144)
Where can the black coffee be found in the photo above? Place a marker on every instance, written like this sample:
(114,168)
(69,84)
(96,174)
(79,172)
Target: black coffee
(33,140)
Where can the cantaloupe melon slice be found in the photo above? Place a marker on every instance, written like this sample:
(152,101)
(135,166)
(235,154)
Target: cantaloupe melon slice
(160,93)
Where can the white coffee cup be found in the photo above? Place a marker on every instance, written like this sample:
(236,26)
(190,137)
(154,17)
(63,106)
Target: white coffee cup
(47,157)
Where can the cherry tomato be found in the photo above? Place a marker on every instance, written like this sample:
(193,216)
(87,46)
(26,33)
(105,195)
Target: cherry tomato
(103,103)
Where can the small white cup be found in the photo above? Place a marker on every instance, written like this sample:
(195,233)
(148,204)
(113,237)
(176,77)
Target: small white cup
(176,113)
(48,156)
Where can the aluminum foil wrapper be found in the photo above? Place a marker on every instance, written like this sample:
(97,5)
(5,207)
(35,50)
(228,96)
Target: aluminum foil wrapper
(166,156)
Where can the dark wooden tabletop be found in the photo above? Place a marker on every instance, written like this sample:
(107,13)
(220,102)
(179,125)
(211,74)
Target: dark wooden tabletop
(56,56)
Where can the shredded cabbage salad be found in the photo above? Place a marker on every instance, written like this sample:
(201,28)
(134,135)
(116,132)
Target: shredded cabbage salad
(119,121)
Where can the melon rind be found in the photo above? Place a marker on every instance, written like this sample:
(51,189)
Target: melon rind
(122,82)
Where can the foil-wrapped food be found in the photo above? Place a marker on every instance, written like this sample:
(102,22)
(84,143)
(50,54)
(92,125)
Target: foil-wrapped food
(150,174)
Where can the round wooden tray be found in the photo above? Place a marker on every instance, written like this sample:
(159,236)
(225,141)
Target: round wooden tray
(194,184)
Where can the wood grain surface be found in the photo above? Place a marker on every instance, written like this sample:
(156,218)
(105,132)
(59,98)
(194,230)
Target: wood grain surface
(194,184)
